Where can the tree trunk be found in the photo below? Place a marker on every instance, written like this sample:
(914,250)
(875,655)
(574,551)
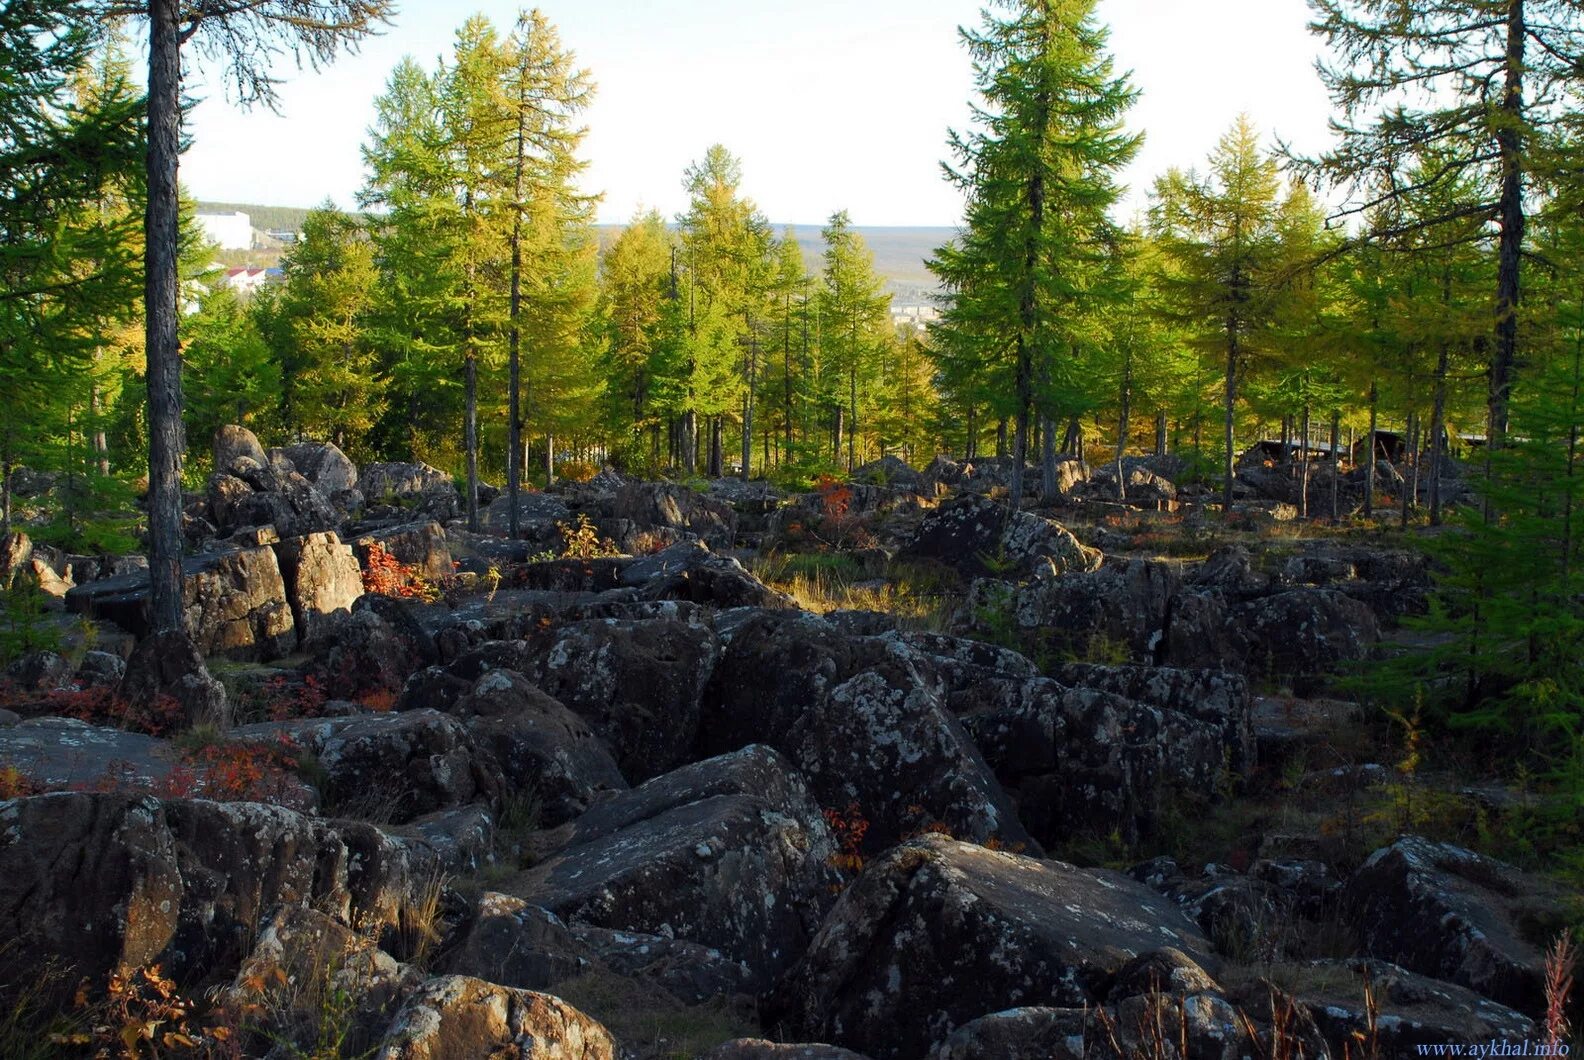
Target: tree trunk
(1336,464)
(1047,443)
(786,371)
(714,447)
(549,464)
(514,423)
(1126,398)
(160,309)
(1510,216)
(1231,407)
(690,441)
(1303,466)
(1411,486)
(748,402)
(852,419)
(470,437)
(971,443)
(101,447)
(1369,453)
(1438,435)
(1160,433)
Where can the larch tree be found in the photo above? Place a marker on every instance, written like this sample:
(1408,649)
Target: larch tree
(635,273)
(1039,172)
(1220,233)
(334,388)
(1482,83)
(856,313)
(550,248)
(246,37)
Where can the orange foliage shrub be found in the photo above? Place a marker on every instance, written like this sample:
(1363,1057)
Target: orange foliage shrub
(385,575)
(849,827)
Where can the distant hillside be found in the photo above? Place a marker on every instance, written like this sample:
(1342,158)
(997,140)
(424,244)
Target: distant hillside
(264,218)
(900,254)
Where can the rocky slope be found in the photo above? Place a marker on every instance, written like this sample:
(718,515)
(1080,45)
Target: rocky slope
(646,805)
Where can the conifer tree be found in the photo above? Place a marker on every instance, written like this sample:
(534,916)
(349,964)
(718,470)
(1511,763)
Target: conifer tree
(333,387)
(1480,83)
(245,36)
(1039,176)
(1220,234)
(856,314)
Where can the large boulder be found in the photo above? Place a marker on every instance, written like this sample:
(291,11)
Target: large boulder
(306,966)
(1449,913)
(368,653)
(322,578)
(105,882)
(940,932)
(1403,1012)
(1082,761)
(638,683)
(250,496)
(455,1017)
(1119,610)
(323,464)
(981,537)
(890,471)
(1305,634)
(16,553)
(232,442)
(541,746)
(62,753)
(391,766)
(168,664)
(421,545)
(749,874)
(688,570)
(865,719)
(667,506)
(234,604)
(417,489)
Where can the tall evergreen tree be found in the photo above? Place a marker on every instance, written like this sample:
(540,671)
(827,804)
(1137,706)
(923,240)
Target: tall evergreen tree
(1039,173)
(333,386)
(245,37)
(857,323)
(1483,84)
(1220,233)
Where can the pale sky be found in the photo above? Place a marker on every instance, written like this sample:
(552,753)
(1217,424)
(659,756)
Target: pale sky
(830,104)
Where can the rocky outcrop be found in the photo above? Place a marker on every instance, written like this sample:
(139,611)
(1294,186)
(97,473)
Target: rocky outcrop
(421,545)
(865,719)
(1411,1010)
(61,753)
(541,746)
(981,537)
(323,464)
(688,570)
(939,932)
(232,443)
(169,664)
(638,683)
(100,882)
(322,579)
(1118,609)
(234,604)
(760,1049)
(411,488)
(454,1017)
(303,960)
(667,506)
(1449,913)
(392,766)
(732,870)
